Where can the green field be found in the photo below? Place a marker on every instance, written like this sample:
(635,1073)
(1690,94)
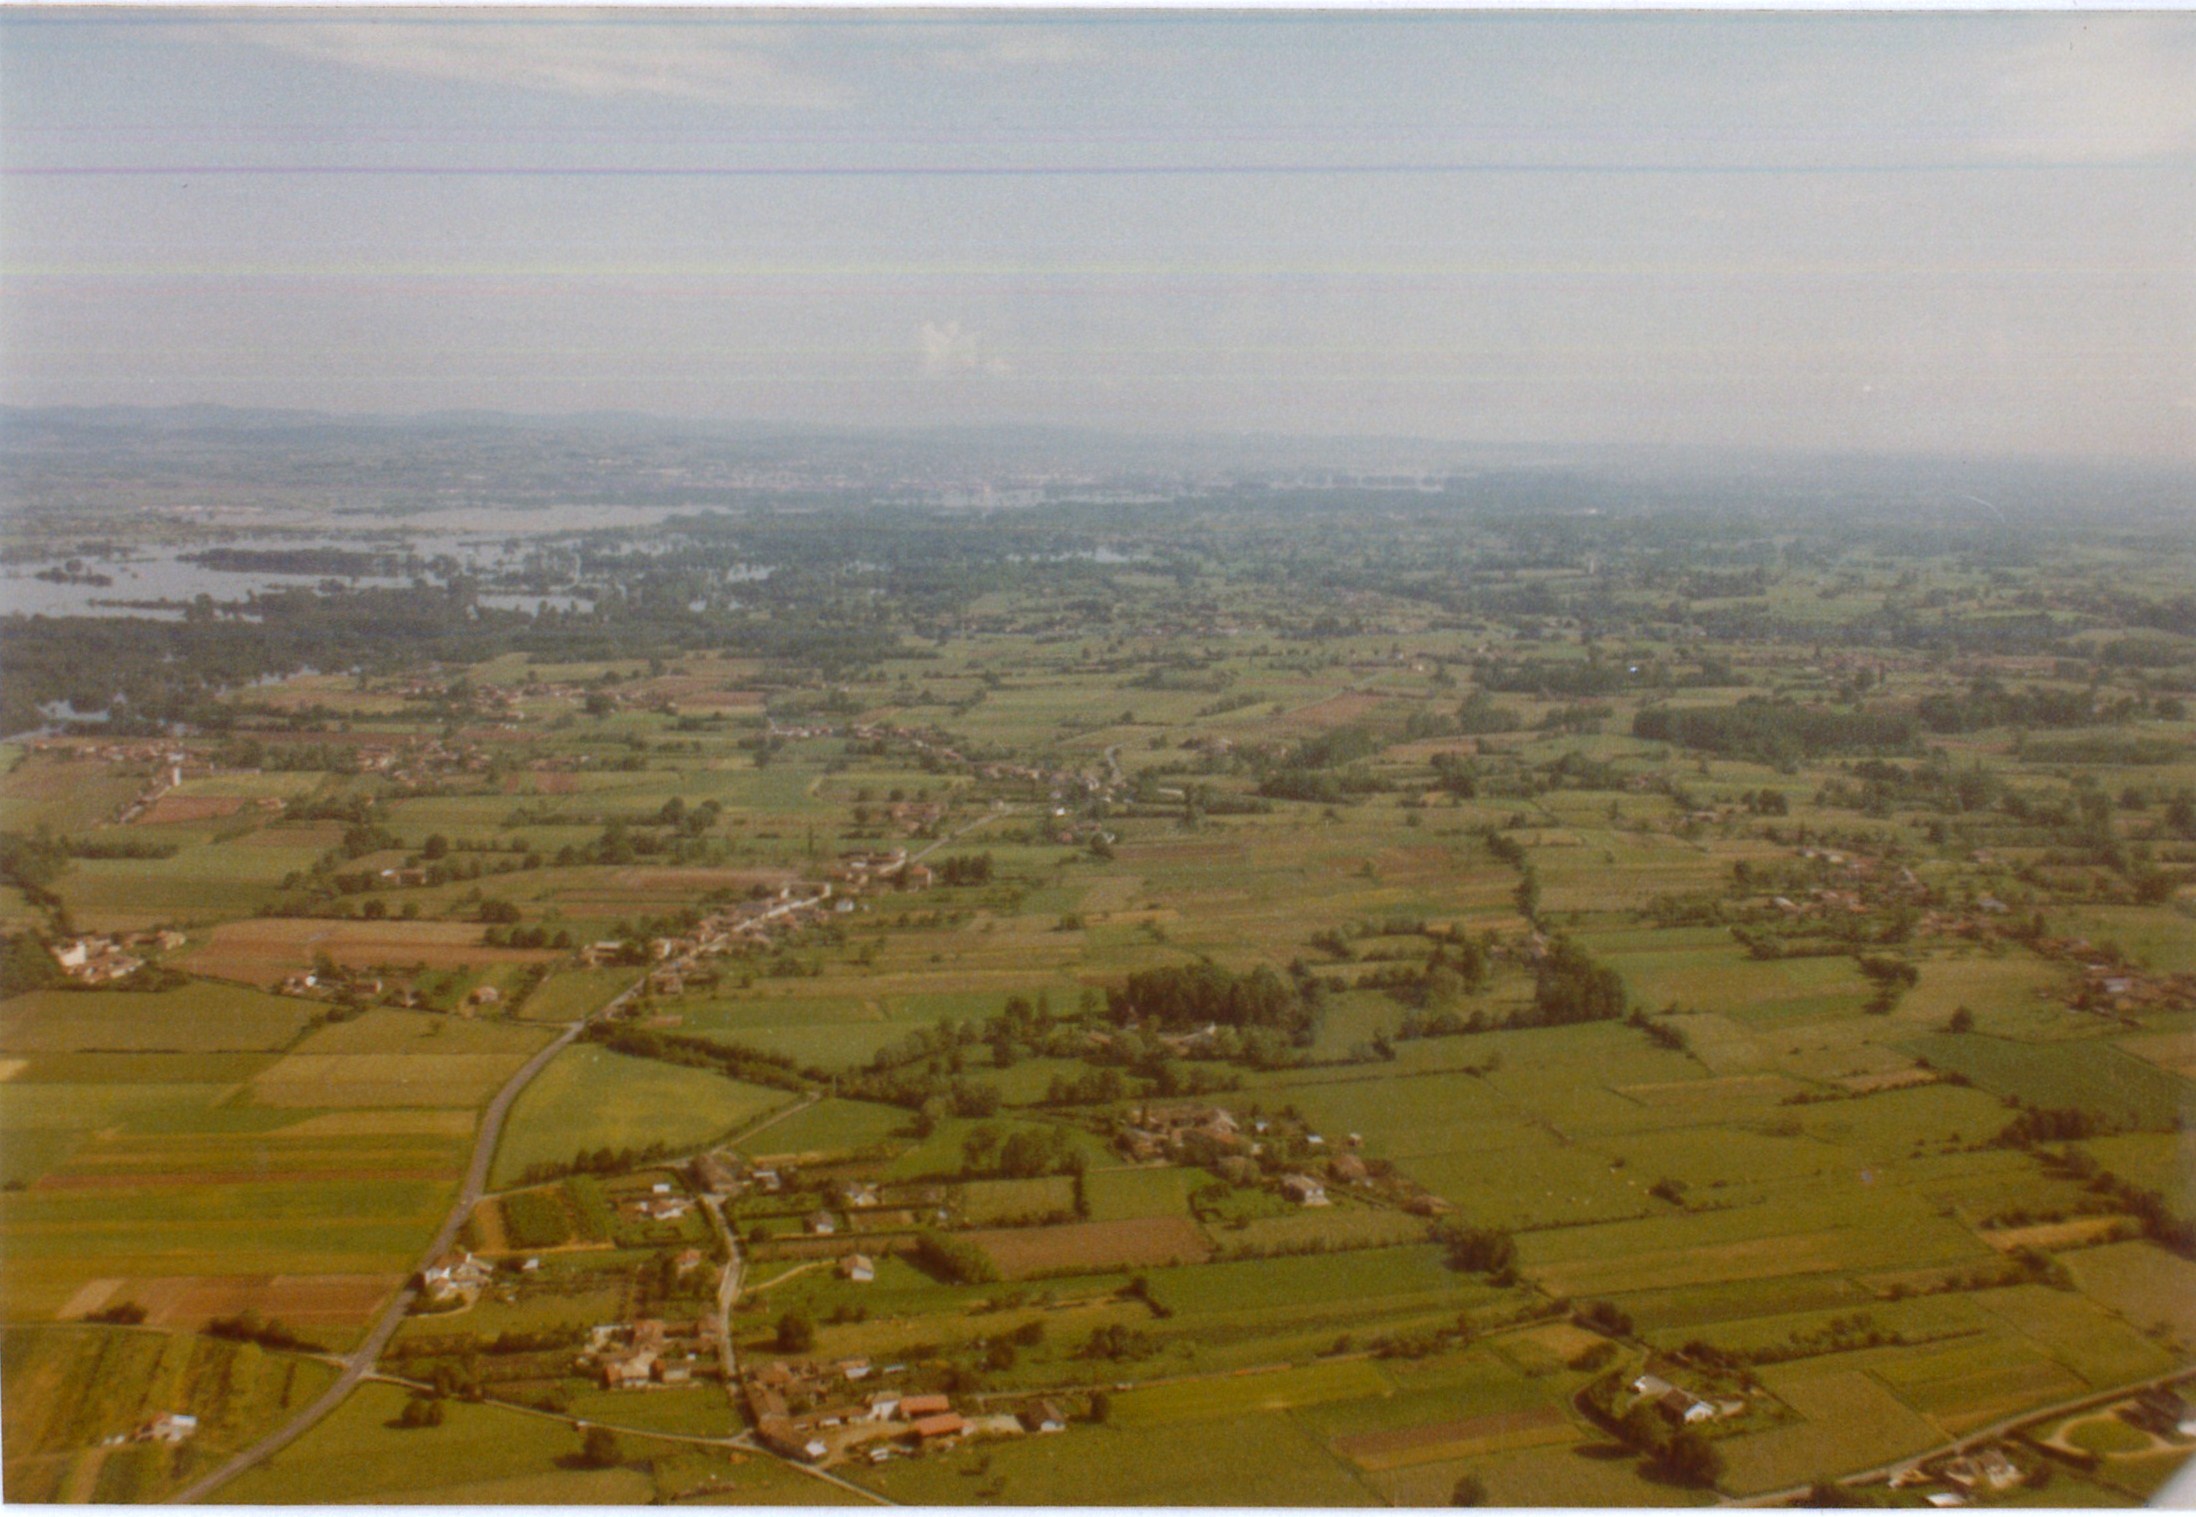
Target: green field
(1116,1194)
(488,1455)
(2092,1075)
(829,1127)
(199,1017)
(1247,1461)
(590,1098)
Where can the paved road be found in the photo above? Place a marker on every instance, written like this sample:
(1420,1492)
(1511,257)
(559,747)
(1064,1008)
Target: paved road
(728,1284)
(753,1446)
(999,809)
(728,1295)
(360,1362)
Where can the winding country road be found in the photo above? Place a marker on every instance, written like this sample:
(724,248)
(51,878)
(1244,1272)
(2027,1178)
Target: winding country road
(360,1362)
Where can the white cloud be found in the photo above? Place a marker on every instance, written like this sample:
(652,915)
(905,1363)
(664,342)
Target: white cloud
(948,349)
(595,59)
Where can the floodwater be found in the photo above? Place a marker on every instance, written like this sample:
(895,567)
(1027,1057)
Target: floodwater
(488,542)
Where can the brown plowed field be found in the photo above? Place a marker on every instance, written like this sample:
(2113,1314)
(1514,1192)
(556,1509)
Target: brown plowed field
(191,808)
(263,951)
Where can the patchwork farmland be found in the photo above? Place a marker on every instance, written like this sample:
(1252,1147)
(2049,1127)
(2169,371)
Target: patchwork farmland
(1137,1039)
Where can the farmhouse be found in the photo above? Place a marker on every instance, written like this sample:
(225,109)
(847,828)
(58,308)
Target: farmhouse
(857,1268)
(1683,1407)
(1304,1190)
(820,1224)
(94,960)
(1140,1144)
(628,1371)
(169,1427)
(943,1425)
(1986,1468)
(1044,1417)
(453,1275)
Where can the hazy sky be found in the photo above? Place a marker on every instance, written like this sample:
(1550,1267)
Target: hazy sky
(1971,234)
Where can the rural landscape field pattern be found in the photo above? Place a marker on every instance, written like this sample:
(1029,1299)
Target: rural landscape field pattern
(1284,996)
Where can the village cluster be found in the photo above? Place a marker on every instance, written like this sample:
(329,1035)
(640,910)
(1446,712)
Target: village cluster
(850,1409)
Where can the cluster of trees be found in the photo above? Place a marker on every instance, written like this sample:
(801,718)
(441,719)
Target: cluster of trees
(120,848)
(421,1411)
(247,1326)
(2055,1124)
(522,937)
(1892,979)
(1094,1087)
(1194,995)
(1682,1454)
(759,1066)
(1576,681)
(536,1219)
(1988,703)
(965,869)
(1570,987)
(25,966)
(1775,732)
(1116,1341)
(1022,1154)
(1476,1250)
(1456,968)
(592,1161)
(33,863)
(954,1259)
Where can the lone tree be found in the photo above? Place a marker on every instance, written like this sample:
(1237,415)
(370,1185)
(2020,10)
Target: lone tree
(1691,1458)
(796,1332)
(599,1449)
(1470,1491)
